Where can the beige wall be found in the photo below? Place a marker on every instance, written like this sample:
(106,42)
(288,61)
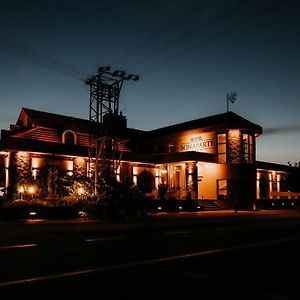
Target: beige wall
(209,173)
(191,140)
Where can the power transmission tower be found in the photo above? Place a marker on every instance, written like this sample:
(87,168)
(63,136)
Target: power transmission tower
(105,147)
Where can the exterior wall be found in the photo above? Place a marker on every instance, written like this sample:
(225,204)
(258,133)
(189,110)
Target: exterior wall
(191,140)
(240,182)
(234,146)
(80,166)
(192,180)
(271,184)
(209,173)
(19,171)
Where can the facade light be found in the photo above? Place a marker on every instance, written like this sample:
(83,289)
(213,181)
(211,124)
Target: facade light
(31,190)
(80,191)
(21,191)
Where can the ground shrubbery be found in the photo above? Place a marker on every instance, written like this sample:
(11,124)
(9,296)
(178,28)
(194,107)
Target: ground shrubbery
(114,200)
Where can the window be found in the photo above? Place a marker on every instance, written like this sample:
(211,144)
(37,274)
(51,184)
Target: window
(171,148)
(69,137)
(248,148)
(222,148)
(222,189)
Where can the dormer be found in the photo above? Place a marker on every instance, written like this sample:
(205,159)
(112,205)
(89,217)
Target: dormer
(69,137)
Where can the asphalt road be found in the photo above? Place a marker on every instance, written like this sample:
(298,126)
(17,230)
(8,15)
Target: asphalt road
(178,256)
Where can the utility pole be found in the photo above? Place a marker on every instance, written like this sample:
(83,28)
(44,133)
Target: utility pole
(105,88)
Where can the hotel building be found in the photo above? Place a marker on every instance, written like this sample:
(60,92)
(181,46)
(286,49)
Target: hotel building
(212,158)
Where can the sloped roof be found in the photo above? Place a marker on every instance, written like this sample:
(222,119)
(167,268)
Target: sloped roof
(62,122)
(50,120)
(228,120)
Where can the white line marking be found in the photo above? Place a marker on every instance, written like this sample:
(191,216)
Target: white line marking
(176,232)
(105,239)
(146,262)
(18,246)
(245,226)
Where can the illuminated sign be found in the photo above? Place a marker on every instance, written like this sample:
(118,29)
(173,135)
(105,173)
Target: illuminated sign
(198,144)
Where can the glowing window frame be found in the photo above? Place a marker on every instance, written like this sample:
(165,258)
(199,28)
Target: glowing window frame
(223,153)
(64,136)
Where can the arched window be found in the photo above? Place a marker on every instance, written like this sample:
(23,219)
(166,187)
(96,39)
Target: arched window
(69,137)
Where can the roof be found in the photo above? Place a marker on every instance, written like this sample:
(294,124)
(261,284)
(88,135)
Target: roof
(273,166)
(62,122)
(228,120)
(50,120)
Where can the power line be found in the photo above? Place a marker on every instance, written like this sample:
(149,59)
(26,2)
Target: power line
(19,50)
(170,25)
(191,33)
(215,36)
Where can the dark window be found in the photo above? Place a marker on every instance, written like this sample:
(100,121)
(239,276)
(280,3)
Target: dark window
(171,148)
(69,138)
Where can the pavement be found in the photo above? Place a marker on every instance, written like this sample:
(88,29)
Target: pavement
(165,220)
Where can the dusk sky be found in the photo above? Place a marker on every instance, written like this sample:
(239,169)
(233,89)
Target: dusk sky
(189,55)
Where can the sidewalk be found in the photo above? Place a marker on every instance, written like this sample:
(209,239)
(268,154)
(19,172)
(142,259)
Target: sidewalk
(163,220)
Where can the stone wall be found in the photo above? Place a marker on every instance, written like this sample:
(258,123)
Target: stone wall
(235,151)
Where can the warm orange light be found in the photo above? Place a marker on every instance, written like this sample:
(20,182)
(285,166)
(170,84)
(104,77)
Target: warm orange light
(80,191)
(234,132)
(31,190)
(21,190)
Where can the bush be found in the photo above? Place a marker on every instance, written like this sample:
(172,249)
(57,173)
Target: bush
(34,209)
(118,200)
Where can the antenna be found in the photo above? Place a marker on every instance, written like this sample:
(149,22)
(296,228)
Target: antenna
(230,97)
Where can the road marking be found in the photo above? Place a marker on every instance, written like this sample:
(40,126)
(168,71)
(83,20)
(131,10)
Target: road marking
(18,246)
(112,238)
(146,262)
(256,225)
(176,232)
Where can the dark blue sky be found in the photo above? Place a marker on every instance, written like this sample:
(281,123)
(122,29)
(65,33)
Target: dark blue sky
(189,54)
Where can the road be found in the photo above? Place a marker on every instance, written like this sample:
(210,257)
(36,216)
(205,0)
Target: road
(177,256)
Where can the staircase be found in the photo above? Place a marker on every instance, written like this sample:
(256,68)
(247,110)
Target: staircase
(209,205)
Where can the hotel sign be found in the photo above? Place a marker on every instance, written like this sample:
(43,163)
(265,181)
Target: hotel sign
(199,144)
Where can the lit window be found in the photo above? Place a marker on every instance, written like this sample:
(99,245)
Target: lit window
(222,189)
(248,148)
(222,148)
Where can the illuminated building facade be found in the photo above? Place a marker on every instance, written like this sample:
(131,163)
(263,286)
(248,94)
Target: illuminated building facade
(212,158)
